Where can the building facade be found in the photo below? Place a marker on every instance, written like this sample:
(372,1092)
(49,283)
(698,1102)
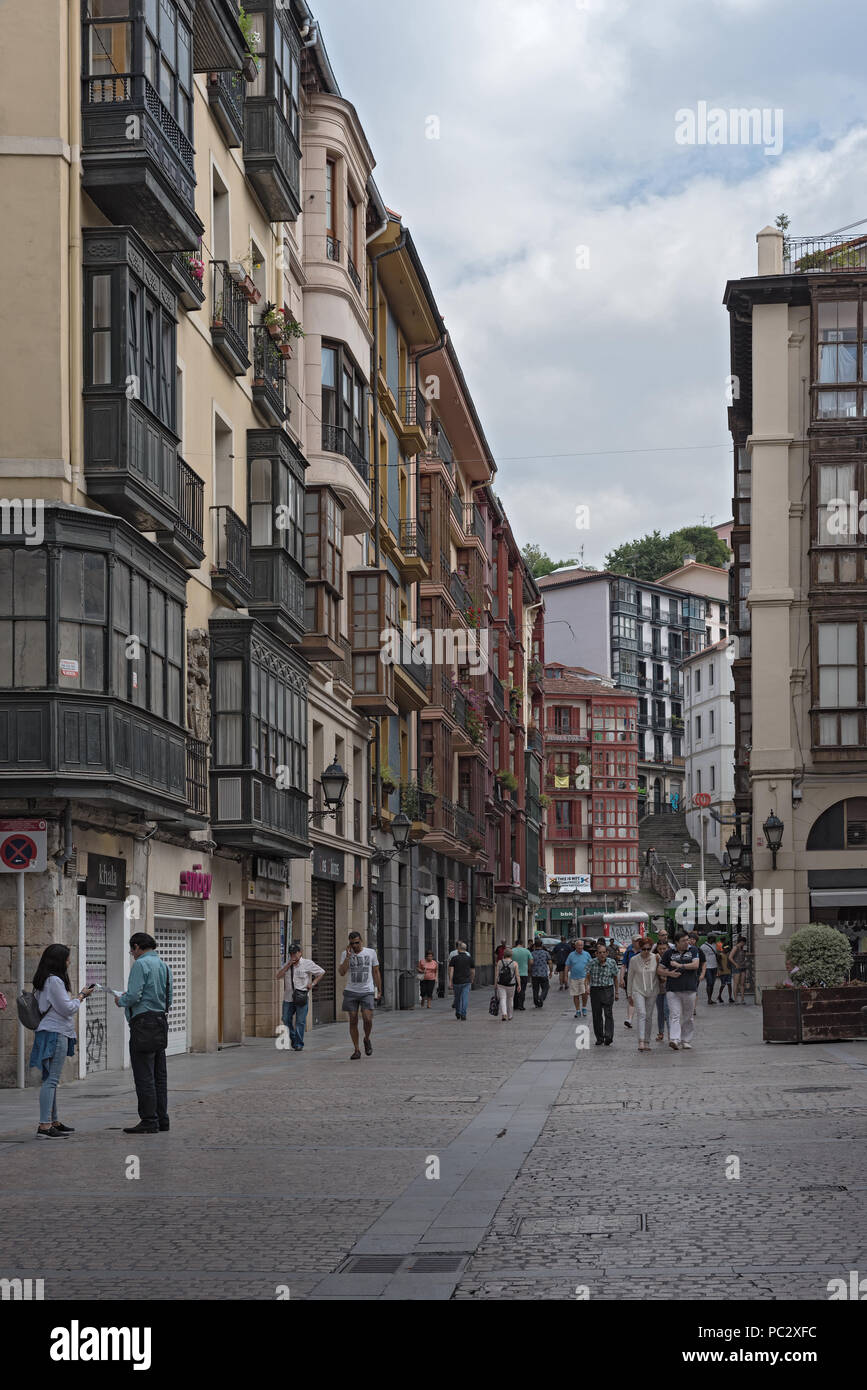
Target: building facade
(709,741)
(799,584)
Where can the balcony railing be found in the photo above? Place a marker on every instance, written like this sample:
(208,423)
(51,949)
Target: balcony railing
(197,776)
(272,158)
(332,248)
(824,253)
(336,440)
(460,593)
(191,504)
(231,562)
(192,293)
(269,376)
(535,740)
(353,273)
(457,509)
(499,693)
(229,323)
(413,540)
(512,627)
(227,92)
(473,522)
(413,408)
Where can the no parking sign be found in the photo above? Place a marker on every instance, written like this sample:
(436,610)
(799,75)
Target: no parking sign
(23,846)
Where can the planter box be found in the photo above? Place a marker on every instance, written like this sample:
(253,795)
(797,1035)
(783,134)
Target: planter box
(813,1015)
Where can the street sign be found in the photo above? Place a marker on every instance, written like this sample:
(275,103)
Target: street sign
(701,799)
(23,846)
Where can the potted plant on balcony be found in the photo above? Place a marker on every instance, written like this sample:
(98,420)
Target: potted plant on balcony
(282,327)
(475,842)
(194,263)
(544,801)
(507,779)
(251,39)
(388,780)
(817,1002)
(242,273)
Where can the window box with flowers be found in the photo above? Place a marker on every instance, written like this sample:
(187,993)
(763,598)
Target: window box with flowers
(282,327)
(388,780)
(252,39)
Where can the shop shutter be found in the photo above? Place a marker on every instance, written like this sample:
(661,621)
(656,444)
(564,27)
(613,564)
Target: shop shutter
(324,950)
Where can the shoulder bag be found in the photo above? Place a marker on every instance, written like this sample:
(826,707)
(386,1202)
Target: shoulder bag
(299,996)
(149,1032)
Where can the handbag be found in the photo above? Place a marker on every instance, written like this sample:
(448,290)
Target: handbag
(29,1012)
(299,996)
(494,1006)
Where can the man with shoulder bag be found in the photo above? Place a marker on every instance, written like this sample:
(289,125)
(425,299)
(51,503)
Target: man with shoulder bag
(146,1002)
(300,977)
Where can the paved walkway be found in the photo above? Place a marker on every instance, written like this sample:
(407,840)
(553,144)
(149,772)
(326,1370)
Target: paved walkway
(559,1169)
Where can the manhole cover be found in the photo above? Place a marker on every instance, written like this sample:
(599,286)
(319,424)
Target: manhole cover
(373,1264)
(437,1264)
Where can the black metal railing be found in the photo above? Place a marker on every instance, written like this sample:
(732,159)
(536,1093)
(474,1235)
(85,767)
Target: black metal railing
(336,440)
(353,273)
(197,775)
(473,521)
(229,306)
(824,253)
(535,741)
(413,540)
(191,503)
(134,89)
(184,270)
(232,90)
(169,127)
(412,407)
(460,593)
(418,670)
(512,628)
(457,509)
(499,693)
(332,248)
(269,366)
(231,547)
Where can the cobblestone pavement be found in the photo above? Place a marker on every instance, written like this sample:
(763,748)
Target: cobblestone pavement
(558,1169)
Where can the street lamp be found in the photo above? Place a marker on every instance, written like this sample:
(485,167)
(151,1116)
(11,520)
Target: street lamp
(400,828)
(727,874)
(773,828)
(334,782)
(735,847)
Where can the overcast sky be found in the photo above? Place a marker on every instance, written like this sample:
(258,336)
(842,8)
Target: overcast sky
(557,132)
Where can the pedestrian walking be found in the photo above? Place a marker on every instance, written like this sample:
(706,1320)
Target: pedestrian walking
(500,952)
(724,971)
(559,955)
(462,973)
(55,1035)
(630,952)
(708,951)
(662,1011)
(300,977)
(738,962)
(146,1003)
(361,964)
(577,965)
(541,968)
(521,956)
(680,968)
(604,977)
(507,983)
(428,970)
(642,985)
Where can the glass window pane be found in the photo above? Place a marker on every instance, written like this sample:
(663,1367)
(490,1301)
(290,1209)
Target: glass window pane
(5,654)
(849,729)
(156,692)
(329,367)
(229,685)
(109,9)
(185,56)
(93,586)
(29,664)
(151,16)
(847,643)
(848,686)
(69,646)
(101,301)
(70,584)
(120,597)
(158,622)
(101,365)
(30,582)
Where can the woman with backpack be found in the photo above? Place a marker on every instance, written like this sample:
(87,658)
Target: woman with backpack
(55,1036)
(507,982)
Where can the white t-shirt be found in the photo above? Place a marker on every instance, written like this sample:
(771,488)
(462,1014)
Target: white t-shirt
(710,956)
(361,966)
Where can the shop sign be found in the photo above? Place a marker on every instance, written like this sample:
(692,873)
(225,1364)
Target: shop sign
(195,884)
(274,870)
(328,863)
(106,878)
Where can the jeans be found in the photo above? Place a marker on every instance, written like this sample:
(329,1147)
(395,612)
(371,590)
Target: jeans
(725,982)
(521,992)
(644,1016)
(506,996)
(48,1089)
(151,1085)
(462,994)
(540,989)
(295,1019)
(682,1020)
(710,976)
(602,1006)
(662,1013)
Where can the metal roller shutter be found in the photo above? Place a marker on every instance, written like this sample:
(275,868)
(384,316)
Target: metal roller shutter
(324,948)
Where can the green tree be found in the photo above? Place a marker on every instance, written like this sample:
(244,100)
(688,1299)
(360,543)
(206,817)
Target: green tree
(653,555)
(538,563)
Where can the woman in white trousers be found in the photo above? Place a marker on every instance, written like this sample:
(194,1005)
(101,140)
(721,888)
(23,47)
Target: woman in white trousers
(506,993)
(642,987)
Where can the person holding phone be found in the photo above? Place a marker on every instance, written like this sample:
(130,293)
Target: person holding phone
(361,964)
(300,977)
(147,1000)
(55,1037)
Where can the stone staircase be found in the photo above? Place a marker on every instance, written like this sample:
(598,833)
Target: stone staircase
(667,834)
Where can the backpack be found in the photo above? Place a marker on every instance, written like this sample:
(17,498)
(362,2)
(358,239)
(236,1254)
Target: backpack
(506,975)
(29,1011)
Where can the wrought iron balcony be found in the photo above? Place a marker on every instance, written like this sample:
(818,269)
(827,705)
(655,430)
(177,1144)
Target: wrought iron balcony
(185,539)
(457,510)
(137,163)
(230,327)
(336,440)
(460,593)
(272,159)
(333,249)
(227,94)
(190,286)
(269,377)
(197,776)
(473,523)
(353,274)
(823,253)
(230,567)
(535,741)
(512,626)
(413,540)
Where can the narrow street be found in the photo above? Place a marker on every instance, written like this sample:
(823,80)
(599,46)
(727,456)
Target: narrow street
(558,1168)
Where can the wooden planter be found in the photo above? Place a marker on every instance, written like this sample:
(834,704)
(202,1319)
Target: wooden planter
(814,1015)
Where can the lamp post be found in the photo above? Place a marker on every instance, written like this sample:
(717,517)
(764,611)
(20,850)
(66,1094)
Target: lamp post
(400,829)
(773,828)
(334,782)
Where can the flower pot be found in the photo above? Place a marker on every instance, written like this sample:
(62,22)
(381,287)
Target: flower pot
(274,330)
(250,68)
(237,272)
(285,349)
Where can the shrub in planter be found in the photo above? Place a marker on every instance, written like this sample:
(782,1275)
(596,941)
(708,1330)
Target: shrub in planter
(388,779)
(818,956)
(507,779)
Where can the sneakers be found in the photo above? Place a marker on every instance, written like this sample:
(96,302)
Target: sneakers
(368,1046)
(577,1013)
(626,1023)
(674,1046)
(583,1013)
(142,1128)
(50,1133)
(355,1056)
(687,1046)
(61,1129)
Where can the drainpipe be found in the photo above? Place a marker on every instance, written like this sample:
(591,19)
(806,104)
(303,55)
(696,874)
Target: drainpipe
(64,856)
(374,386)
(74,347)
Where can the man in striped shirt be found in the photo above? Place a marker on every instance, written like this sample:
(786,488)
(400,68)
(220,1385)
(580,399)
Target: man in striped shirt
(604,977)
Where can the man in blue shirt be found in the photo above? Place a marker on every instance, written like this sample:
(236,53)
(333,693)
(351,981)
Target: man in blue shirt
(577,965)
(146,1001)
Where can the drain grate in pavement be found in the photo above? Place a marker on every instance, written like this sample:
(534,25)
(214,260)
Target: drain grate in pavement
(436,1264)
(447,1100)
(811,1090)
(373,1264)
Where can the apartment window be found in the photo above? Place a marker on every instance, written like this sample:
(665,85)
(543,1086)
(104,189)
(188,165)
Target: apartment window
(711,723)
(563,815)
(343,394)
(373,609)
(145,363)
(698,779)
(562,719)
(349,231)
(837,664)
(837,358)
(330,186)
(624,628)
(287,76)
(23,629)
(697,680)
(323,537)
(712,778)
(836,482)
(276,506)
(108,40)
(149,673)
(564,861)
(697,726)
(710,673)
